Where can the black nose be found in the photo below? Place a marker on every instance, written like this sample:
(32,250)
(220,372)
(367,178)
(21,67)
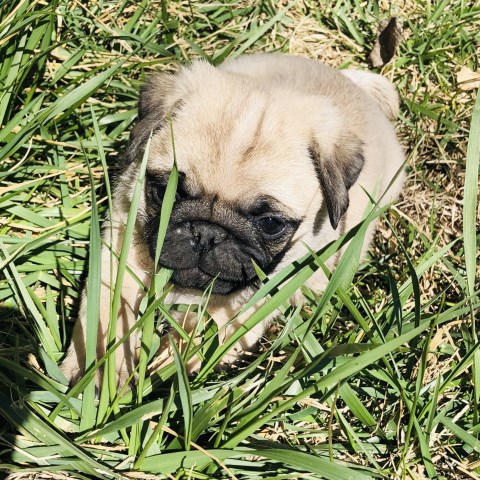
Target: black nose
(206,235)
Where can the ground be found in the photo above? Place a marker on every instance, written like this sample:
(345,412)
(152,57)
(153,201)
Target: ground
(379,379)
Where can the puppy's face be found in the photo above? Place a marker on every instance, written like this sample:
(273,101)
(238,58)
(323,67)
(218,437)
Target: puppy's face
(259,170)
(209,237)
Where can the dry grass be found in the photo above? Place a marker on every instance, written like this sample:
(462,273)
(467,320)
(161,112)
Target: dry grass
(48,177)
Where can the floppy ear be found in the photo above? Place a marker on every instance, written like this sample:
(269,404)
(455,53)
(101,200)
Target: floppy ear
(337,172)
(154,105)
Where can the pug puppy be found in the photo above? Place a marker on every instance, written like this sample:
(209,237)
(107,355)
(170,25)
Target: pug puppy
(274,152)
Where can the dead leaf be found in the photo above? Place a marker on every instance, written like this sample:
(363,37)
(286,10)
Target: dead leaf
(468,79)
(389,36)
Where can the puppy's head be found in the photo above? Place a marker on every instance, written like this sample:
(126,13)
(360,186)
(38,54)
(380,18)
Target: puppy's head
(257,164)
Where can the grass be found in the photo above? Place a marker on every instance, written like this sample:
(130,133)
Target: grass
(378,377)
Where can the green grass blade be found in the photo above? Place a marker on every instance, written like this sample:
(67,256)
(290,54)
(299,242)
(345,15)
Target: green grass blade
(25,296)
(466,437)
(335,376)
(69,100)
(39,429)
(122,263)
(313,464)
(184,393)
(470,206)
(88,415)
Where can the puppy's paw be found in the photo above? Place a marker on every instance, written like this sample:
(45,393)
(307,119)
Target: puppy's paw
(70,367)
(126,380)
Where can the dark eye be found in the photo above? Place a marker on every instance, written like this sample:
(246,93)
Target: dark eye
(181,194)
(157,186)
(158,192)
(271,226)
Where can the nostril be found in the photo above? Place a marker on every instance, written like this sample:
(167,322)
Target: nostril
(206,235)
(206,243)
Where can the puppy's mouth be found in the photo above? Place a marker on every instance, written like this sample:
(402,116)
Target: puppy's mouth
(201,253)
(199,280)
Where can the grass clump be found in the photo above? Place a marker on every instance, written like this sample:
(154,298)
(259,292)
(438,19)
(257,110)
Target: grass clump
(379,377)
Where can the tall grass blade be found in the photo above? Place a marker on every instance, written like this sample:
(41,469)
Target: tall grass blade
(470,206)
(184,393)
(93,288)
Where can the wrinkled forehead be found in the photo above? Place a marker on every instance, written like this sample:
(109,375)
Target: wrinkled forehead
(237,147)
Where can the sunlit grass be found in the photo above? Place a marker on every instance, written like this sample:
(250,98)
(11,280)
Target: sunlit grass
(378,377)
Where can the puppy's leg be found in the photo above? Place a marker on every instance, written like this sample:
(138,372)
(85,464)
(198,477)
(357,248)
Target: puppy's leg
(226,329)
(246,343)
(73,366)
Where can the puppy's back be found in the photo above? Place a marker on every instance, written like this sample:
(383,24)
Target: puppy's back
(378,88)
(312,77)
